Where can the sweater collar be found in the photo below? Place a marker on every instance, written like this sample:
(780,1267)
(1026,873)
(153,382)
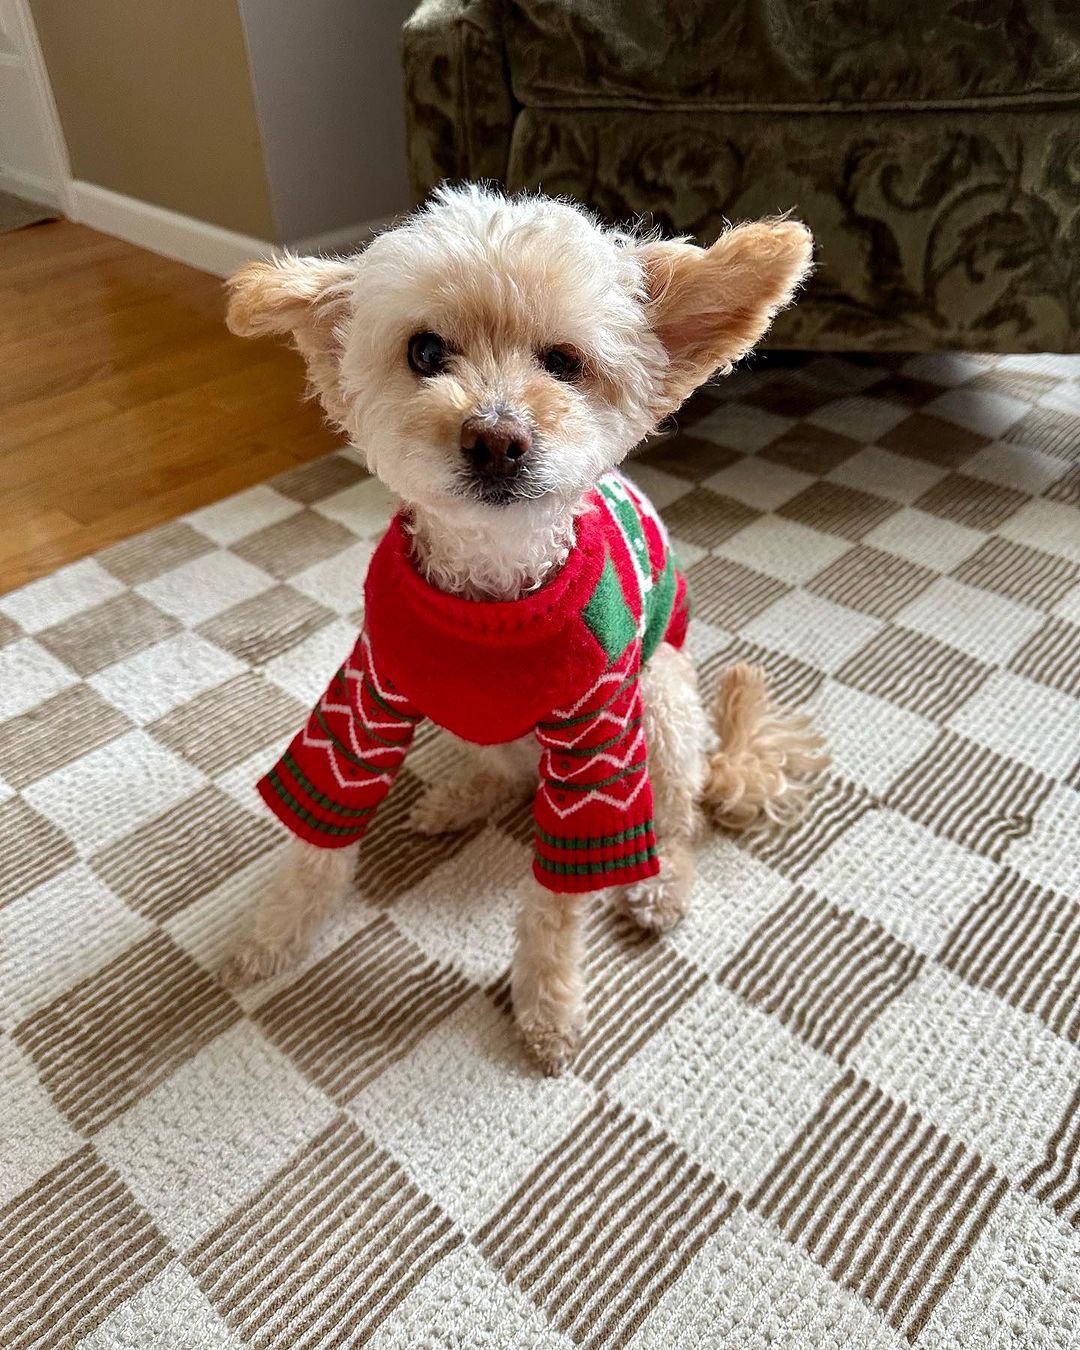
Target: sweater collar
(394,571)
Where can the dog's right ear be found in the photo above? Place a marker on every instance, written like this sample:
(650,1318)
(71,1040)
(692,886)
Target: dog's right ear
(709,306)
(311,299)
(288,293)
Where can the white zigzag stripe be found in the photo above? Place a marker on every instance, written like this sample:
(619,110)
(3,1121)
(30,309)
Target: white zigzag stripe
(620,802)
(608,677)
(317,743)
(604,716)
(390,698)
(602,757)
(358,714)
(370,751)
(351,672)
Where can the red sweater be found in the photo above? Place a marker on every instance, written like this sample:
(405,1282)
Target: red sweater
(561,663)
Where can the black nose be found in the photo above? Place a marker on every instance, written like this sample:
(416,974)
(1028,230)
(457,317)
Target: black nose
(496,446)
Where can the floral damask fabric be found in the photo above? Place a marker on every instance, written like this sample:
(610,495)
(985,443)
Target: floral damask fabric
(459,113)
(935,152)
(788,51)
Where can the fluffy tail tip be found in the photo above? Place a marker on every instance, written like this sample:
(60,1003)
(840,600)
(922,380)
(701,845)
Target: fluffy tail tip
(769,760)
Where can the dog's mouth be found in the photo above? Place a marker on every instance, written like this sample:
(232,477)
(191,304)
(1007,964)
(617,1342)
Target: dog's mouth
(493,492)
(502,490)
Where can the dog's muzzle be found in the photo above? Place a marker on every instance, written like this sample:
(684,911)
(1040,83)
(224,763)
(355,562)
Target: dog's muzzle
(496,447)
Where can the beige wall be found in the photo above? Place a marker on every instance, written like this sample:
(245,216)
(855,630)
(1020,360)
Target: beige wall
(156,102)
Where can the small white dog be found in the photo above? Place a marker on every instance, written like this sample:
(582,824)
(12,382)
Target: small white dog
(495,359)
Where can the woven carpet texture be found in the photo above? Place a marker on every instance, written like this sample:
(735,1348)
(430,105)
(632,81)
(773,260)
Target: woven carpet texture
(839,1105)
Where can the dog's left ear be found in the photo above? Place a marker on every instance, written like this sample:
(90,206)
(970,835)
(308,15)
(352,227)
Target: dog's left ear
(709,306)
(286,293)
(309,298)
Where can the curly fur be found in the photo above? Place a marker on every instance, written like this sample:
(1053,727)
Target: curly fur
(501,280)
(769,760)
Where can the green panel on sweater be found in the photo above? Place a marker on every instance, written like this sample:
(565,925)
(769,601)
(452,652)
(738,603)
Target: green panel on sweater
(658,605)
(608,616)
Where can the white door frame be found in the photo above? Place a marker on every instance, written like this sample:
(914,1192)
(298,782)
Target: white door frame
(18,25)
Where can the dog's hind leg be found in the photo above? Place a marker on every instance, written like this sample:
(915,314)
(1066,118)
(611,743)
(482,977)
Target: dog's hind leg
(675,730)
(497,777)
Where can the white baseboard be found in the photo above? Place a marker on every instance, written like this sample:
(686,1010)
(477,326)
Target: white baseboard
(32,187)
(344,240)
(195,242)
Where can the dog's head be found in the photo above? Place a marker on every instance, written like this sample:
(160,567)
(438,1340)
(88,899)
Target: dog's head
(491,352)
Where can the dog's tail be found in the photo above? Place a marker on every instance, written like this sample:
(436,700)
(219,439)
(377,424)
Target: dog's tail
(769,760)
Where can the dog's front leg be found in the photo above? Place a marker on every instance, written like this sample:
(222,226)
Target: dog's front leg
(306,884)
(548,984)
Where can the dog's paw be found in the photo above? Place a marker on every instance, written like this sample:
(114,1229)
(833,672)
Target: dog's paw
(657,903)
(552,1047)
(252,961)
(445,808)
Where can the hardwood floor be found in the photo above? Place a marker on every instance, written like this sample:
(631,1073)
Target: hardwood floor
(123,400)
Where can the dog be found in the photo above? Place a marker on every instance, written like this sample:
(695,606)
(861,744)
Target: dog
(495,358)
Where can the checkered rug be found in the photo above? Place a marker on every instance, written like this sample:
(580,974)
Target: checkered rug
(838,1106)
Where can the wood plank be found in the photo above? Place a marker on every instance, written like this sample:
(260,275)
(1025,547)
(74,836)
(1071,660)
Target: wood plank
(35,252)
(125,401)
(46,556)
(21,534)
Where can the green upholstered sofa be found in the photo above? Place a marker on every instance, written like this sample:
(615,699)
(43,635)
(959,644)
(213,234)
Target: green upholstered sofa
(933,146)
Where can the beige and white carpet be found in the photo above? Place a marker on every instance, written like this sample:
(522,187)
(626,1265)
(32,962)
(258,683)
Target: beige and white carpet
(839,1106)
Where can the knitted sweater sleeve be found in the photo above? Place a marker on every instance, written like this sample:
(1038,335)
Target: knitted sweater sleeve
(593,808)
(339,767)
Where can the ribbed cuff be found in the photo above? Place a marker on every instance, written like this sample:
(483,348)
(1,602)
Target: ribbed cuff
(288,802)
(577,863)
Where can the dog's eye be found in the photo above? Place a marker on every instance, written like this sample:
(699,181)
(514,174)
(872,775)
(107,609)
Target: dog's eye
(427,353)
(564,365)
